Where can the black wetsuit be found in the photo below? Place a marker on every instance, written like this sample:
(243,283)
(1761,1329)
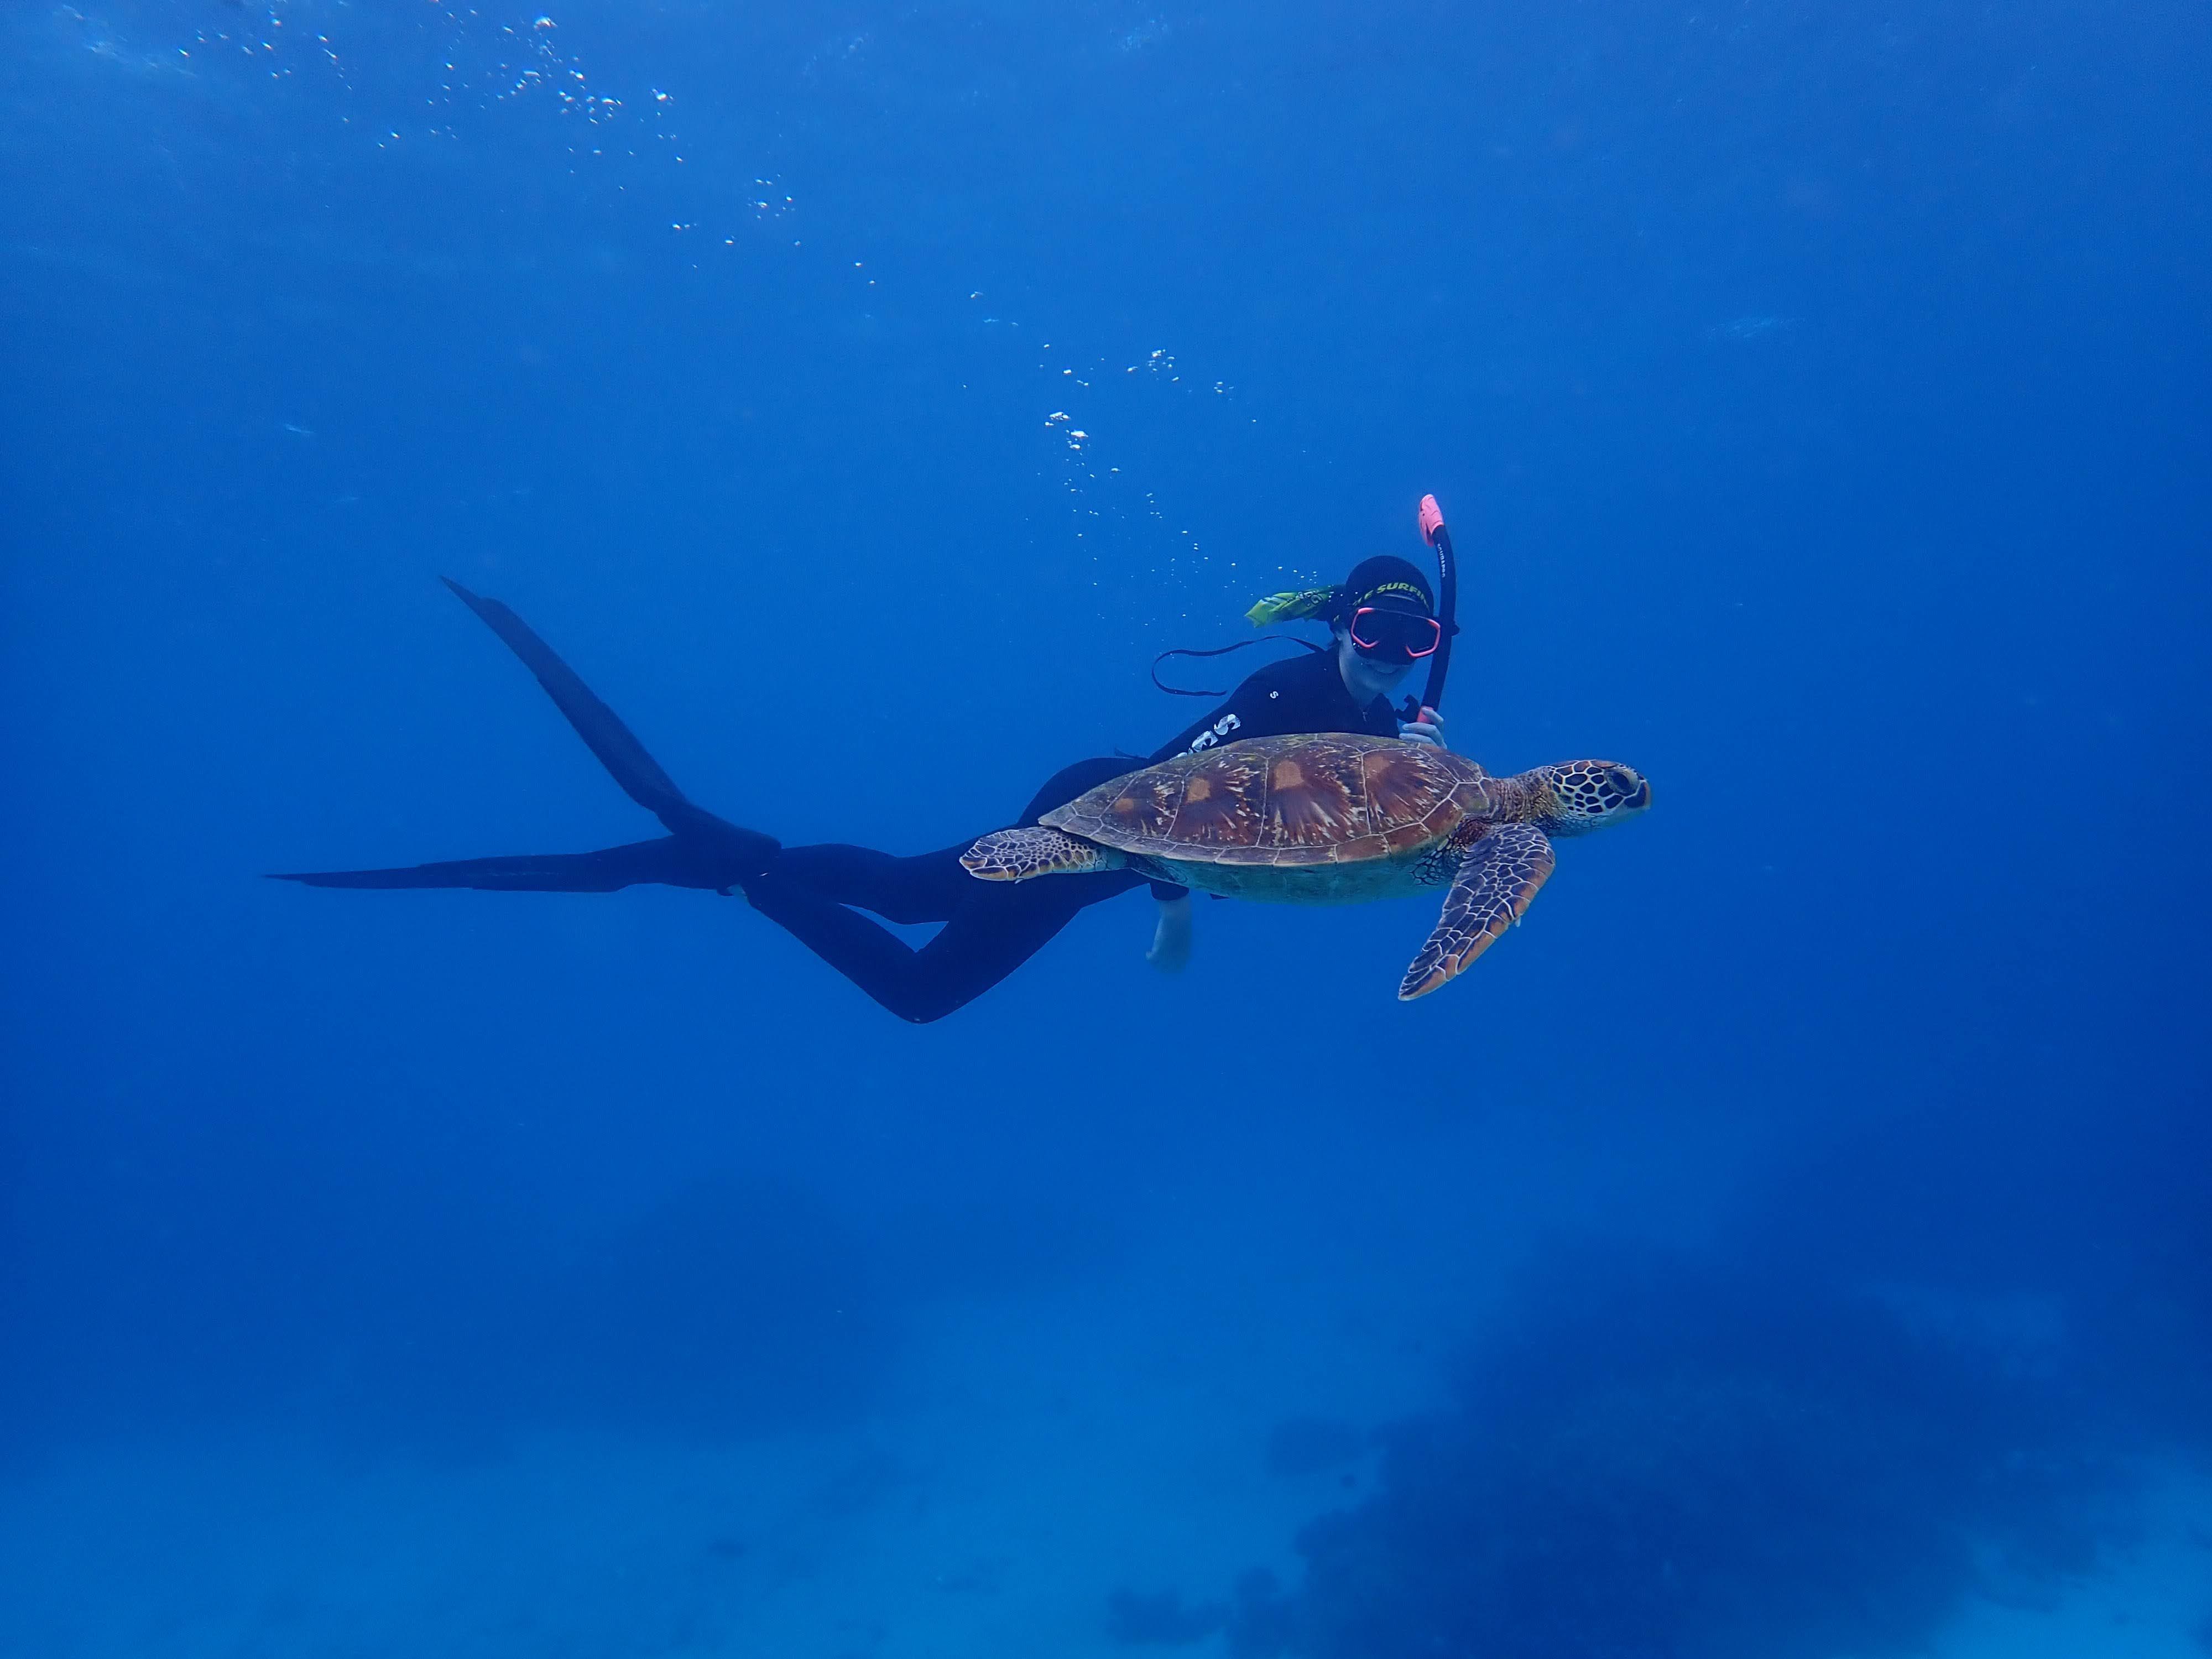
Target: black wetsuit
(1302,694)
(991,928)
(817,893)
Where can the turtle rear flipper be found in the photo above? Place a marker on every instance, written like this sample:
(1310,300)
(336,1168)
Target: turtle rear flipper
(1018,855)
(1497,877)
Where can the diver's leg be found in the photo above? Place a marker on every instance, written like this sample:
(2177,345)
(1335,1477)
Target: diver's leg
(927,887)
(672,861)
(999,927)
(994,929)
(990,928)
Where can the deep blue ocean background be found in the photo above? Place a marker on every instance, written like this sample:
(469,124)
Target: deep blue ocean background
(1794,1242)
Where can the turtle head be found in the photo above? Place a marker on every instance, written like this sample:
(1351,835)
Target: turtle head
(1576,796)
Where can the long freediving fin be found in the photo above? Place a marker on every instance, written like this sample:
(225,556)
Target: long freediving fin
(671,861)
(701,849)
(602,730)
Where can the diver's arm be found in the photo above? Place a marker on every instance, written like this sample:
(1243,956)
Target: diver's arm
(1171,951)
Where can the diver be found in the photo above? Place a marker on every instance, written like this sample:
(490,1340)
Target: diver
(1381,622)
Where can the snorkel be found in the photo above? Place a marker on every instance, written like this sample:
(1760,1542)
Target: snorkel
(1334,606)
(1433,533)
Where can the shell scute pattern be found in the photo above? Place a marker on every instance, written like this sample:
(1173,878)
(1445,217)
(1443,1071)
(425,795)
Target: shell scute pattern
(1399,791)
(1291,801)
(1406,837)
(1218,804)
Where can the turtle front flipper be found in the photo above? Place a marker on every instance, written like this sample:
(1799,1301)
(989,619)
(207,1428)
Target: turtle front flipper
(1018,855)
(1497,877)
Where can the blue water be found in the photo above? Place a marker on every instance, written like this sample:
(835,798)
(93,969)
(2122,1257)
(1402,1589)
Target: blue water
(1792,1241)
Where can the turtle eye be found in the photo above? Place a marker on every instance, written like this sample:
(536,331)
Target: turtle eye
(1625,783)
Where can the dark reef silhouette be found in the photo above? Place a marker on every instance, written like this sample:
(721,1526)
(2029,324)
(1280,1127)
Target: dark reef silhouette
(1667,1457)
(1926,1360)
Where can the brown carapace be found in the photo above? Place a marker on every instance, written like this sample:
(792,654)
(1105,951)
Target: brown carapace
(1332,819)
(1289,801)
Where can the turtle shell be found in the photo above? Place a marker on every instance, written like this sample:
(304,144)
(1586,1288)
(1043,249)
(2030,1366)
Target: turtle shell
(1340,799)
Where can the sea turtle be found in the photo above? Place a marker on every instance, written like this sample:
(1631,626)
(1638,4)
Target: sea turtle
(1331,819)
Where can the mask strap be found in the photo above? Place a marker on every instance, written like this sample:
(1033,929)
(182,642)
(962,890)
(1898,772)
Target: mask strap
(1221,651)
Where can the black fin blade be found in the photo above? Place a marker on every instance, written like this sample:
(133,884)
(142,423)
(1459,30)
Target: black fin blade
(598,726)
(669,861)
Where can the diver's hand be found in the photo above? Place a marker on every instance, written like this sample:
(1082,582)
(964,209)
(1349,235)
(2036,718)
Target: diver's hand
(1171,951)
(1428,729)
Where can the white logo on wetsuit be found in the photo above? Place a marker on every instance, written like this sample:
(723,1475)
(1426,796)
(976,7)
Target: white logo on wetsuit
(1220,729)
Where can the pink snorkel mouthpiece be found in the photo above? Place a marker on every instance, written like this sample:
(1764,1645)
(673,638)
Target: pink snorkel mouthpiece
(1432,519)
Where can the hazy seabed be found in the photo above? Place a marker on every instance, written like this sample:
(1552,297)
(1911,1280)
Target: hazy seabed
(1022,1474)
(1037,1458)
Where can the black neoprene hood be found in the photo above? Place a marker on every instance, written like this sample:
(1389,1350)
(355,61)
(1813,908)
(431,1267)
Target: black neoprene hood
(1386,582)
